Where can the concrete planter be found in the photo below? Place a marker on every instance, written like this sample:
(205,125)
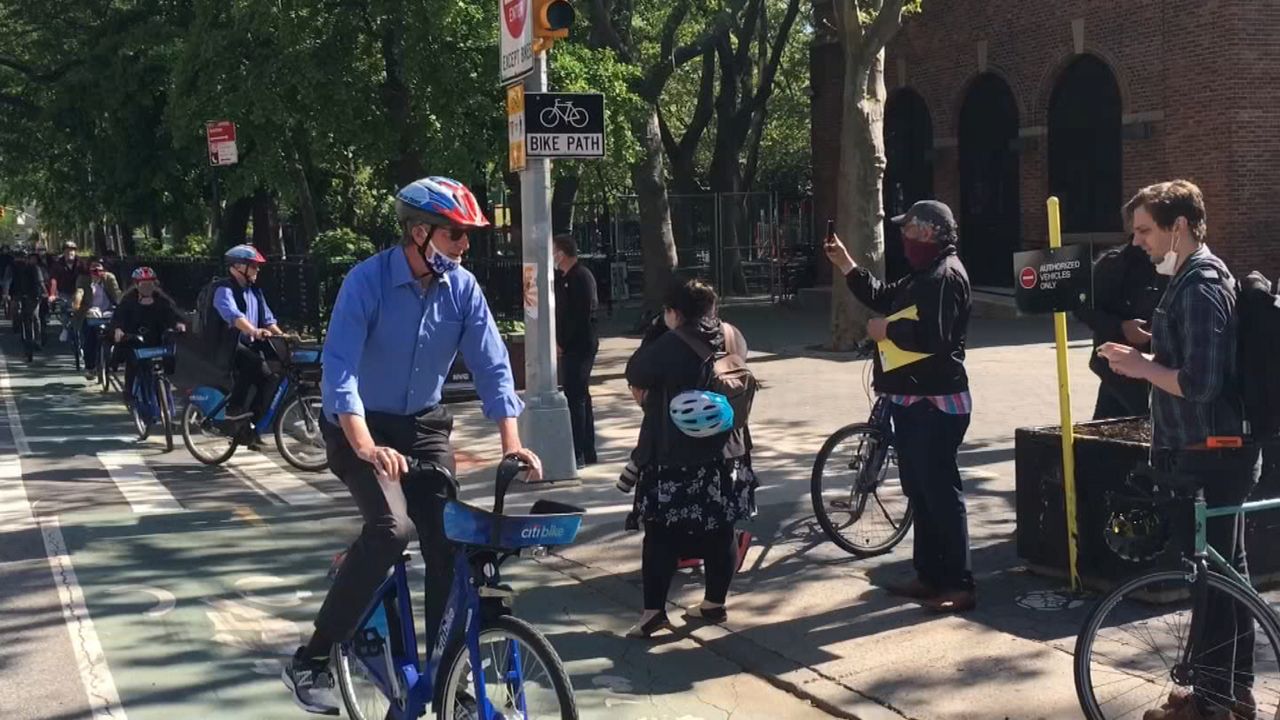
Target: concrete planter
(1102,464)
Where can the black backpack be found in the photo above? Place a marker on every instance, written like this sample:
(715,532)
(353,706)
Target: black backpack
(1258,361)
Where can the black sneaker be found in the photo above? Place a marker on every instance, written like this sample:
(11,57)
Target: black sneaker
(311,683)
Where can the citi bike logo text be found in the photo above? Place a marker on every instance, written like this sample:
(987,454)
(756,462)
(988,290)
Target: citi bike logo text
(542,532)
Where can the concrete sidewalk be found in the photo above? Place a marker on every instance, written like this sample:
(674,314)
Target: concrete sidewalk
(808,618)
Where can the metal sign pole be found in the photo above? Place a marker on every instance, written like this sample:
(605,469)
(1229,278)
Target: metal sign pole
(1064,404)
(544,425)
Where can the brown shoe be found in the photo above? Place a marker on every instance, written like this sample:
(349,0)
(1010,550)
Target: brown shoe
(916,589)
(1181,706)
(1245,707)
(954,601)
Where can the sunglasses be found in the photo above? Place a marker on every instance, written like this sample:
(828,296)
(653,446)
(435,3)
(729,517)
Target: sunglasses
(455,234)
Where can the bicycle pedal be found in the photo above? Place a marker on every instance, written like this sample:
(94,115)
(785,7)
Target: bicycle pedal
(497,591)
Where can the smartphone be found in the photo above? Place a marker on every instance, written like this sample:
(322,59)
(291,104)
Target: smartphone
(831,230)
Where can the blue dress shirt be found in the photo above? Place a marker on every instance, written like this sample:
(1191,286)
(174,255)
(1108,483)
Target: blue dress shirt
(225,303)
(391,344)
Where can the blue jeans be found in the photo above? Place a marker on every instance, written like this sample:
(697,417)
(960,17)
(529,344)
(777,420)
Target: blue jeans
(927,441)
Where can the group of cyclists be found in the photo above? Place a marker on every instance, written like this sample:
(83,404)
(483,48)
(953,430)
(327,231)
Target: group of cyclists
(95,312)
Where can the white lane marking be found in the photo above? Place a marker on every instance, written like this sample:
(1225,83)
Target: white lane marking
(261,472)
(45,439)
(250,588)
(15,509)
(165,600)
(134,480)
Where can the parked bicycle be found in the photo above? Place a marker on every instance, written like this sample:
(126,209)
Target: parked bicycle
(152,393)
(293,413)
(855,489)
(1142,643)
(487,664)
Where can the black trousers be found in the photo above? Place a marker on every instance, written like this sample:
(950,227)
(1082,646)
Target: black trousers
(575,374)
(1225,649)
(927,441)
(251,372)
(663,548)
(392,510)
(1119,398)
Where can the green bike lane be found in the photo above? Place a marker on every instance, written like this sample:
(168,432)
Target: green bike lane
(170,589)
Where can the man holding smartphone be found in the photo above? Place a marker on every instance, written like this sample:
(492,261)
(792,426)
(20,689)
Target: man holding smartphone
(930,397)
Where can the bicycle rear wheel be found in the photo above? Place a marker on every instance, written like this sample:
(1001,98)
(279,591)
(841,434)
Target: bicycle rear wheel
(522,674)
(856,493)
(205,443)
(1128,656)
(361,695)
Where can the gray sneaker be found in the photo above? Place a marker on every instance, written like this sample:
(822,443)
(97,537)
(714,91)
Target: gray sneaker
(311,684)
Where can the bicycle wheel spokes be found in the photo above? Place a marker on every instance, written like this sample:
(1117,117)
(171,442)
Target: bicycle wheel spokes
(362,693)
(516,683)
(1130,654)
(858,495)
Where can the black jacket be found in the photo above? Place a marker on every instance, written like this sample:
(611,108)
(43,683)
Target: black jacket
(941,294)
(665,366)
(576,305)
(1126,286)
(149,321)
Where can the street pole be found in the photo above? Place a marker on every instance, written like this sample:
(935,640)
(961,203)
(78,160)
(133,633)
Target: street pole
(544,425)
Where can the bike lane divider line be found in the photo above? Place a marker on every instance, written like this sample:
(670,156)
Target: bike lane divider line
(91,662)
(146,494)
(262,473)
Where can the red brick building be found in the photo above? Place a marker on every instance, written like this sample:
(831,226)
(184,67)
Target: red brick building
(996,104)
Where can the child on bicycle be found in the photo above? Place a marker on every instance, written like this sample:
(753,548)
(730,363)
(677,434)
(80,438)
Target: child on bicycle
(146,311)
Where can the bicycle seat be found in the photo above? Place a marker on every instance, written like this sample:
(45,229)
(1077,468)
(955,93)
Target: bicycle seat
(548,523)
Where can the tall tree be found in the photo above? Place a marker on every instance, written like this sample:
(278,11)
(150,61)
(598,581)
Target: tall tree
(864,28)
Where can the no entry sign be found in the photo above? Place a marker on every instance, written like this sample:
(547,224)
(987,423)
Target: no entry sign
(1059,280)
(515,44)
(221,135)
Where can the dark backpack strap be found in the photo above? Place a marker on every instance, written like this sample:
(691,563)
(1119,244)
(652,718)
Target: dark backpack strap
(700,347)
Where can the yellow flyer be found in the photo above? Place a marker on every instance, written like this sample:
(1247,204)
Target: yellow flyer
(893,357)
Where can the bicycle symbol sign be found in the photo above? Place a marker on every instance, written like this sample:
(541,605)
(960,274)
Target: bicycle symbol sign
(564,125)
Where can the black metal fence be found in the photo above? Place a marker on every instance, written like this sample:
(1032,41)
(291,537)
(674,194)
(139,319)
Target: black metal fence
(301,293)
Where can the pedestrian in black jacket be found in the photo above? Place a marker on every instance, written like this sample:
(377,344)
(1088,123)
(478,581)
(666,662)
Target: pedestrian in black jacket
(1126,290)
(930,397)
(692,490)
(577,343)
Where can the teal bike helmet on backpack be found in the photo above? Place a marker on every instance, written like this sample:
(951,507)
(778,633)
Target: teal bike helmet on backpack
(701,413)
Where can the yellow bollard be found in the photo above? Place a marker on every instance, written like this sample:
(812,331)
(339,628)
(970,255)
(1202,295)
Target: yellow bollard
(1064,405)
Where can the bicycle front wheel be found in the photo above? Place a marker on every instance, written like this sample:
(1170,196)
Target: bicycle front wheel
(1129,654)
(165,400)
(298,435)
(856,493)
(142,407)
(522,675)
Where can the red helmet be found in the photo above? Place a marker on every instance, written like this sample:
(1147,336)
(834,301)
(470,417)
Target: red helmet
(144,274)
(440,201)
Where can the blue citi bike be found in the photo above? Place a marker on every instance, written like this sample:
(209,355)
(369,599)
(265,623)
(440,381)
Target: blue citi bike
(293,413)
(486,664)
(151,397)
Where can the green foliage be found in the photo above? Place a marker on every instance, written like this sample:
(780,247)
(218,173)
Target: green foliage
(509,328)
(341,244)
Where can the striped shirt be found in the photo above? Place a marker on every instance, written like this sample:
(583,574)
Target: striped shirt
(960,403)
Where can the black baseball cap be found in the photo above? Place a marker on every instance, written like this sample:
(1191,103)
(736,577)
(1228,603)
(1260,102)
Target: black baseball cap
(929,211)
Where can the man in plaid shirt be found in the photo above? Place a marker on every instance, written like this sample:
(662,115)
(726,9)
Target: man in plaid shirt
(1196,396)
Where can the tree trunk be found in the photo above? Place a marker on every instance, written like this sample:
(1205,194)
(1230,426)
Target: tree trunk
(860,218)
(265,226)
(657,243)
(563,195)
(306,203)
(236,221)
(397,99)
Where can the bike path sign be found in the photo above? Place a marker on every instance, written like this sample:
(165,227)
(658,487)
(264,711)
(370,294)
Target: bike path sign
(564,125)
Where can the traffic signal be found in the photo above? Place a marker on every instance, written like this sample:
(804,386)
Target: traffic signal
(551,19)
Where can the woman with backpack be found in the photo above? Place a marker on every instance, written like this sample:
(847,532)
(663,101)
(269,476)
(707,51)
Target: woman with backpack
(695,481)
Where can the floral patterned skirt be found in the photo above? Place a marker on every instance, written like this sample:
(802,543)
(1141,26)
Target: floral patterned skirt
(698,498)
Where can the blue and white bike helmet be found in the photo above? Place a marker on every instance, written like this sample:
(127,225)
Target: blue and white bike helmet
(701,414)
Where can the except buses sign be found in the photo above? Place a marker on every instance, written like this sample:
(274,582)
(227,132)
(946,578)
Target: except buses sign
(515,40)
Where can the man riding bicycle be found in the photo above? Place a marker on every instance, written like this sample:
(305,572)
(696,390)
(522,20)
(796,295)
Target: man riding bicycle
(242,307)
(400,319)
(145,311)
(96,296)
(29,287)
